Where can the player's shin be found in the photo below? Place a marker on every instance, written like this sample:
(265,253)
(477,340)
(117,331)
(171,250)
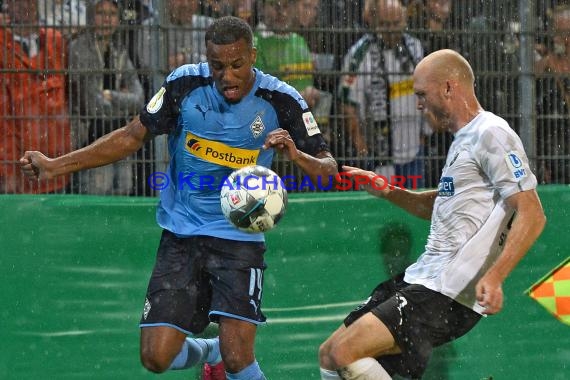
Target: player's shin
(251,372)
(196,350)
(364,369)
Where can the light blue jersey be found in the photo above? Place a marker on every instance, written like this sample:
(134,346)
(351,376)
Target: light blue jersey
(210,137)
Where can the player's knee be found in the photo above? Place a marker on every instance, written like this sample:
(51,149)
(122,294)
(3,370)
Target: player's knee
(334,355)
(324,361)
(154,362)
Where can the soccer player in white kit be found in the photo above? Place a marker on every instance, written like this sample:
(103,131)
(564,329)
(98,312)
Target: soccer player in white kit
(485,215)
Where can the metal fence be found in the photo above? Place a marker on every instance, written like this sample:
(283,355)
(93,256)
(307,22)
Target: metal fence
(67,91)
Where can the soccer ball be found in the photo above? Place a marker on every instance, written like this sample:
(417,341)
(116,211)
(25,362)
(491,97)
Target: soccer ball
(253,199)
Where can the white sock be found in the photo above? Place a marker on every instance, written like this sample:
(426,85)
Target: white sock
(327,374)
(364,369)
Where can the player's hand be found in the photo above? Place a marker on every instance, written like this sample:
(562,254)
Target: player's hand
(281,140)
(373,183)
(34,165)
(489,293)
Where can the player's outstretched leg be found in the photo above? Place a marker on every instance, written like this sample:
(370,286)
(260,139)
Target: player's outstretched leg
(237,341)
(197,350)
(364,369)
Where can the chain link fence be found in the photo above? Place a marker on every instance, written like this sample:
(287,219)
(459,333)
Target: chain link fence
(74,70)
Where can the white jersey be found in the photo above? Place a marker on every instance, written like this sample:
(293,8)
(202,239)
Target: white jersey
(485,165)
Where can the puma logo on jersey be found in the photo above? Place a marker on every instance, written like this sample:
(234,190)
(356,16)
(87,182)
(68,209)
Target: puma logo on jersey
(202,110)
(453,159)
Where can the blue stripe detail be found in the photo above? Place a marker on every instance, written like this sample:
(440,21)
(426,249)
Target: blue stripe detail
(234,316)
(142,325)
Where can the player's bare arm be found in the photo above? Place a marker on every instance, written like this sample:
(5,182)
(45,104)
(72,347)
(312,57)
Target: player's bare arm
(322,165)
(527,226)
(418,203)
(110,148)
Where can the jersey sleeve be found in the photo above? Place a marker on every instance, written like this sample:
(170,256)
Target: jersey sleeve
(160,114)
(303,128)
(504,161)
(294,116)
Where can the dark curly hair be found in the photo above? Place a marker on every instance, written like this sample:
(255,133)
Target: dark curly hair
(229,29)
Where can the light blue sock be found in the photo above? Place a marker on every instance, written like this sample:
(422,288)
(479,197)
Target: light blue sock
(251,372)
(197,350)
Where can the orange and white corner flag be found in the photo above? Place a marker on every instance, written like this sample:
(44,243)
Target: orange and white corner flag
(553,291)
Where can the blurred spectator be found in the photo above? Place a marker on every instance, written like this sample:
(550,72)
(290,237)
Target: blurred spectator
(384,127)
(245,9)
(135,13)
(553,101)
(33,102)
(282,53)
(4,16)
(106,91)
(184,38)
(67,16)
(304,21)
(217,8)
(489,43)
(430,22)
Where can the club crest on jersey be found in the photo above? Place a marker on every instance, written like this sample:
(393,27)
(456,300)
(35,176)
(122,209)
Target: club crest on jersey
(515,165)
(156,102)
(446,187)
(257,127)
(310,124)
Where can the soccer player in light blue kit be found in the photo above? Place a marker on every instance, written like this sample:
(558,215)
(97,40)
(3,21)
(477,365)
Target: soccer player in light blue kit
(219,116)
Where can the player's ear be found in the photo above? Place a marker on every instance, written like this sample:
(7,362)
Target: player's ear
(448,89)
(253,56)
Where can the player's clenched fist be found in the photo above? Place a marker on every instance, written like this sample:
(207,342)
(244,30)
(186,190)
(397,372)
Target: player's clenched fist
(34,165)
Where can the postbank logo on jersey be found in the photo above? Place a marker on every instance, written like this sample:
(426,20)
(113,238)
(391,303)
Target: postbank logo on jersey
(515,165)
(446,187)
(220,153)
